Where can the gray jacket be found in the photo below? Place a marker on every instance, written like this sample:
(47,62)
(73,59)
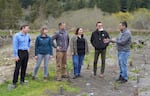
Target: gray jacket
(124,40)
(73,45)
(62,40)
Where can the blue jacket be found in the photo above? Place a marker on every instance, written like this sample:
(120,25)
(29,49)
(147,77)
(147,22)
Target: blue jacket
(43,45)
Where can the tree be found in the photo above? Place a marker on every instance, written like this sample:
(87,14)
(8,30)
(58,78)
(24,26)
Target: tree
(26,3)
(110,6)
(91,3)
(10,14)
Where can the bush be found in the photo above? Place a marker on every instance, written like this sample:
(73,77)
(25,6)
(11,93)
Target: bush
(141,19)
(124,16)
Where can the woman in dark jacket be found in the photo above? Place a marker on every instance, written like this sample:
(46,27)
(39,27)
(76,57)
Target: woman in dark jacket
(78,47)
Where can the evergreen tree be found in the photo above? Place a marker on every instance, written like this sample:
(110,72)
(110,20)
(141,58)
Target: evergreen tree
(10,14)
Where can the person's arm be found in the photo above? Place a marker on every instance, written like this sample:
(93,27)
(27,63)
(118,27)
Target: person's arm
(29,44)
(86,46)
(36,46)
(51,49)
(15,46)
(124,39)
(68,40)
(71,45)
(54,37)
(92,38)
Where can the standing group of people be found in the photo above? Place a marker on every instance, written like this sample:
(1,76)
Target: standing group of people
(78,46)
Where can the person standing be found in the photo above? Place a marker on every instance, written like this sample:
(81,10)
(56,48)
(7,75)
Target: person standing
(98,41)
(21,46)
(123,42)
(62,43)
(43,50)
(78,47)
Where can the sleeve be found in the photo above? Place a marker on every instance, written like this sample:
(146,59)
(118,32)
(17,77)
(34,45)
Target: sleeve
(51,44)
(86,46)
(123,40)
(29,44)
(91,40)
(68,40)
(36,47)
(71,45)
(107,35)
(15,46)
(54,37)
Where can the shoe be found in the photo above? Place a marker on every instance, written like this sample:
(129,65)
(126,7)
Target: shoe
(45,79)
(123,81)
(101,75)
(79,75)
(33,77)
(75,77)
(119,79)
(24,82)
(58,79)
(11,86)
(64,76)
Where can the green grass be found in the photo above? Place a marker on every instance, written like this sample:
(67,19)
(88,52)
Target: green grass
(38,87)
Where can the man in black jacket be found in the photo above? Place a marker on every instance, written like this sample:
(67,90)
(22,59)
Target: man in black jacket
(99,41)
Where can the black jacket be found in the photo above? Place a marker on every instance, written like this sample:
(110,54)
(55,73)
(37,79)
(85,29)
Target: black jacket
(97,39)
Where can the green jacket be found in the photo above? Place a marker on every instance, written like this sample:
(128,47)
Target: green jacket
(73,45)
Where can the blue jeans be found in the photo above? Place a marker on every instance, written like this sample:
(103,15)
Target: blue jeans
(38,63)
(77,63)
(123,64)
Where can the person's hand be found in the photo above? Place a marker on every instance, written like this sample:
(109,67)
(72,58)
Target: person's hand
(50,57)
(58,48)
(113,40)
(16,59)
(36,57)
(106,40)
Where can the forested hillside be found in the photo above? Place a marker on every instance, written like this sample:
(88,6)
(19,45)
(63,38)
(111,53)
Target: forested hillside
(14,12)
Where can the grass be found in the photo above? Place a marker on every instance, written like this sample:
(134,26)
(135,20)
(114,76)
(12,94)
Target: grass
(38,87)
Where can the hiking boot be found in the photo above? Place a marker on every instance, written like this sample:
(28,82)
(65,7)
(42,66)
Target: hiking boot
(45,79)
(11,86)
(24,82)
(119,79)
(33,77)
(101,75)
(58,78)
(123,81)
(64,76)
(75,77)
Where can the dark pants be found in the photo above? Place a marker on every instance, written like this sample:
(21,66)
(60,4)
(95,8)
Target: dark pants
(22,63)
(96,56)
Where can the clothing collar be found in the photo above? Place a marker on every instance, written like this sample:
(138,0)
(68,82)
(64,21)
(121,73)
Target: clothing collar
(100,30)
(41,35)
(22,34)
(62,31)
(125,30)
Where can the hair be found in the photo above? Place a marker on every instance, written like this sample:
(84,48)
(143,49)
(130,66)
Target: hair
(124,23)
(23,26)
(43,28)
(59,24)
(98,22)
(77,30)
